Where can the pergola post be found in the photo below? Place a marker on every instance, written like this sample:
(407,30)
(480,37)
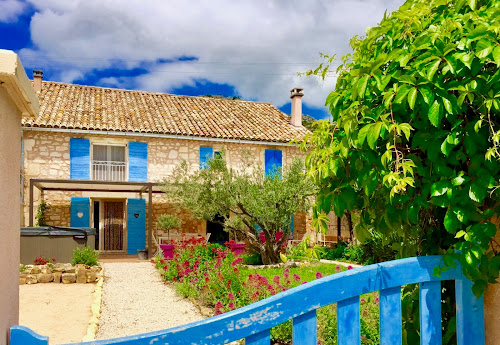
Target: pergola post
(150,221)
(30,221)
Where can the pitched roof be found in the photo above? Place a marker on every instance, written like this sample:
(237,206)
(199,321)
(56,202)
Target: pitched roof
(96,108)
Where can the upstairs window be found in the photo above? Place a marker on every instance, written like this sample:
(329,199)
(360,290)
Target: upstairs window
(109,163)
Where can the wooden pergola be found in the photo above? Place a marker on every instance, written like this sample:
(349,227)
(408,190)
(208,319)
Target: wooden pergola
(98,186)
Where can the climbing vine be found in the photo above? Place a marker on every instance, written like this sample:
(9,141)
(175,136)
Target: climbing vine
(413,141)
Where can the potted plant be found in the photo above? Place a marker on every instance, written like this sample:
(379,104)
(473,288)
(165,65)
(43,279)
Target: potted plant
(167,222)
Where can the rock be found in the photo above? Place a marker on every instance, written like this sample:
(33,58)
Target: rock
(69,269)
(27,270)
(57,277)
(46,269)
(44,277)
(59,267)
(31,279)
(36,270)
(96,269)
(22,280)
(81,274)
(68,278)
(91,277)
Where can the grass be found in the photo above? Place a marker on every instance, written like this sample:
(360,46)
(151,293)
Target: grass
(306,273)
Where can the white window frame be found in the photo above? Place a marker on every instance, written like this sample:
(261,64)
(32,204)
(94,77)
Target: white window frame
(97,143)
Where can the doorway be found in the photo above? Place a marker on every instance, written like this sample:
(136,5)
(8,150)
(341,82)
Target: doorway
(113,224)
(216,231)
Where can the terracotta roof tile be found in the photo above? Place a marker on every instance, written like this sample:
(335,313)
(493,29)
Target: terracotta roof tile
(95,108)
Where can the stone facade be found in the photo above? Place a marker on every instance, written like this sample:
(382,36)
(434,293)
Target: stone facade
(59,273)
(47,155)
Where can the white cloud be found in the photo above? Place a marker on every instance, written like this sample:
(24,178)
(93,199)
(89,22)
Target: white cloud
(257,46)
(10,10)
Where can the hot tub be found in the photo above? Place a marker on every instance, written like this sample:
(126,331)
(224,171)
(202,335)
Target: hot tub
(54,242)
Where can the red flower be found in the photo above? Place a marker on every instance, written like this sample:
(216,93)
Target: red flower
(230,296)
(296,277)
(231,305)
(349,267)
(319,275)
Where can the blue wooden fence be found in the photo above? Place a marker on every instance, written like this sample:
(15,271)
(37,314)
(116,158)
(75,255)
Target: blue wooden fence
(253,322)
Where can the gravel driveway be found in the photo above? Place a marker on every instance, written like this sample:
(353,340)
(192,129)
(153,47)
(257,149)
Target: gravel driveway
(135,300)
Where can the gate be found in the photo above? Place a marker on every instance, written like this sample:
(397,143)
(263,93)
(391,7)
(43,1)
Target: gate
(253,322)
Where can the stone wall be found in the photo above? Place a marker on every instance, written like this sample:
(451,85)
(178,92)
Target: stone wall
(46,155)
(59,273)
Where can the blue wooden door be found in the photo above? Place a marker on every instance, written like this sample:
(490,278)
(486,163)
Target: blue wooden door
(136,225)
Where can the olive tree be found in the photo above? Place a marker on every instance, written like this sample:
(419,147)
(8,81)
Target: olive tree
(248,200)
(413,141)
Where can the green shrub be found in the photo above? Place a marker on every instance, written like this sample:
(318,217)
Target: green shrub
(354,252)
(336,252)
(252,259)
(86,256)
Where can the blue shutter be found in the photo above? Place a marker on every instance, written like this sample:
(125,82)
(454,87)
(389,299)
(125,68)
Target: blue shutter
(79,156)
(137,161)
(136,225)
(206,153)
(273,161)
(80,212)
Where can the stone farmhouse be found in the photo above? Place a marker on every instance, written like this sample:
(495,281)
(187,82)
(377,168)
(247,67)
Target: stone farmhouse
(96,155)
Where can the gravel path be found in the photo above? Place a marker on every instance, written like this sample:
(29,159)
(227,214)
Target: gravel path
(135,300)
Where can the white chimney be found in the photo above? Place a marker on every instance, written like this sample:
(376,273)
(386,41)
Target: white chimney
(37,80)
(296,96)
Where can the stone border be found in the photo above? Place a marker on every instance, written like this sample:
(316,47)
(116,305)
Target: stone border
(95,309)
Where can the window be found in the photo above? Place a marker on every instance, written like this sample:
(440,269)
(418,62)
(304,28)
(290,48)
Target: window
(109,163)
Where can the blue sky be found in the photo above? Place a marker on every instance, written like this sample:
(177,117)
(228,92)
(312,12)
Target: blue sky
(250,49)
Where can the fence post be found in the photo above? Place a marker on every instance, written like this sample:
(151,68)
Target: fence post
(470,314)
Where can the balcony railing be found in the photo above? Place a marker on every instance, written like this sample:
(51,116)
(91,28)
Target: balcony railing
(109,171)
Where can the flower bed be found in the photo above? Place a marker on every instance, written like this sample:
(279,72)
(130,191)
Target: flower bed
(214,276)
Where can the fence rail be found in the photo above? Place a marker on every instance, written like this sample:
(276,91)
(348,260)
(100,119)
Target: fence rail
(109,170)
(253,322)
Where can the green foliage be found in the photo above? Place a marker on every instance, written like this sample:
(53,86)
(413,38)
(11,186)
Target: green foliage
(413,144)
(304,251)
(246,199)
(86,256)
(40,213)
(168,222)
(252,259)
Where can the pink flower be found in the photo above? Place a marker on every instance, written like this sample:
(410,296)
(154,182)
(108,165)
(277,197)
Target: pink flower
(377,299)
(296,277)
(276,279)
(337,268)
(363,300)
(304,282)
(319,275)
(237,261)
(218,304)
(231,305)
(349,267)
(230,296)
(365,312)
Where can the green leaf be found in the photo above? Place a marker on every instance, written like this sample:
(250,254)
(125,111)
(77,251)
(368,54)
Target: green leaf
(447,105)
(435,113)
(412,97)
(440,187)
(484,48)
(451,223)
(472,4)
(458,181)
(373,135)
(362,134)
(427,94)
(433,69)
(402,92)
(460,214)
(362,83)
(459,234)
(496,55)
(477,192)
